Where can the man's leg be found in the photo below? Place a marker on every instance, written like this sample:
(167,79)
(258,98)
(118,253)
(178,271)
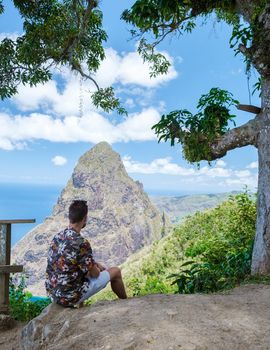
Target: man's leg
(117,282)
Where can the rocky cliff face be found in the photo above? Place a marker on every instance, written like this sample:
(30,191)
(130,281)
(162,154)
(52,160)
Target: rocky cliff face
(121,218)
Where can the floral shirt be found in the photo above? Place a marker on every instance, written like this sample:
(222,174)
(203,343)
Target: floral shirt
(69,259)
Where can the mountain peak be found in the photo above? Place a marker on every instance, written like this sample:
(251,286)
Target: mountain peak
(100,159)
(121,218)
(102,147)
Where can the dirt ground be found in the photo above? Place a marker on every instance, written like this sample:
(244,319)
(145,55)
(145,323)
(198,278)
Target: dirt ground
(10,339)
(239,320)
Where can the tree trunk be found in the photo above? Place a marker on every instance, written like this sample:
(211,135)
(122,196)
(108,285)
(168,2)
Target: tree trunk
(261,251)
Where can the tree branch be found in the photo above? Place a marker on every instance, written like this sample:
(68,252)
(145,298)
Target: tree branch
(69,50)
(79,70)
(249,108)
(246,8)
(243,49)
(90,6)
(238,137)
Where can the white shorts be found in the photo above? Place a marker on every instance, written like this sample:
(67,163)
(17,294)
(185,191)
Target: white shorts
(95,285)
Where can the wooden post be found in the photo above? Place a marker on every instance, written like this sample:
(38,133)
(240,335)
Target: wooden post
(3,239)
(5,267)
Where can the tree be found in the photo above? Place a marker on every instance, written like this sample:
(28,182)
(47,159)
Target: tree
(56,33)
(206,135)
(70,33)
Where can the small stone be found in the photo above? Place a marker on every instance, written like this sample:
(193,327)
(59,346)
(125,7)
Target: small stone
(171,314)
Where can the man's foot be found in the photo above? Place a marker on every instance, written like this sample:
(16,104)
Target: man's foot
(78,306)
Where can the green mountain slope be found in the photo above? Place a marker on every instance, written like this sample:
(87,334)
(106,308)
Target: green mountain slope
(219,239)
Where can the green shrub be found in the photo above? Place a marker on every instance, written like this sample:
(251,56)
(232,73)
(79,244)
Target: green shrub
(209,251)
(221,247)
(21,308)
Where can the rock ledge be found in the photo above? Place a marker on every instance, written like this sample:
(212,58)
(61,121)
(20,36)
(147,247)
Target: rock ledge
(238,320)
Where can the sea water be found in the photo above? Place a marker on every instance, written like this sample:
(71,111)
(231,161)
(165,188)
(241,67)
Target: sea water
(23,201)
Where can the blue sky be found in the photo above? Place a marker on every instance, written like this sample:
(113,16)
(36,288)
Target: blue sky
(42,133)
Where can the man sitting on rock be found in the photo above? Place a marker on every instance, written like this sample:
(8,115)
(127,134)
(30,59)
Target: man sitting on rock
(72,274)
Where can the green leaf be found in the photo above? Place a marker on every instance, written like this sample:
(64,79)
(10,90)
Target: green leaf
(188,263)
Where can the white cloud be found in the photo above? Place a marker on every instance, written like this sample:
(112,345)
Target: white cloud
(59,100)
(215,171)
(51,100)
(92,127)
(124,70)
(59,160)
(242,173)
(157,166)
(220,163)
(253,165)
(130,69)
(143,97)
(6,145)
(217,174)
(130,103)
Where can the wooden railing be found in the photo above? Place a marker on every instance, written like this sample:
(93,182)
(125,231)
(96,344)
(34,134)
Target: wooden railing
(5,267)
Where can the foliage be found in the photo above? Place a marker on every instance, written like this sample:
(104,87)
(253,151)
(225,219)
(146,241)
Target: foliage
(197,131)
(165,17)
(210,277)
(56,33)
(246,37)
(257,279)
(70,33)
(209,251)
(159,63)
(105,99)
(241,34)
(22,309)
(258,87)
(241,38)
(222,260)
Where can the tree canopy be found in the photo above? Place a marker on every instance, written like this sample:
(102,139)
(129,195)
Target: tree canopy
(201,132)
(56,33)
(70,33)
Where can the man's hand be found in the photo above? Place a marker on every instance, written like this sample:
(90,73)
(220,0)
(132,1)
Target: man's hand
(100,266)
(94,271)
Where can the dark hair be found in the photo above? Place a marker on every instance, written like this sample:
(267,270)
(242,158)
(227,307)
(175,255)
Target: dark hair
(77,211)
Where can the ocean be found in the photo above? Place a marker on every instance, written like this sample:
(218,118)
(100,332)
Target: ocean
(23,201)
